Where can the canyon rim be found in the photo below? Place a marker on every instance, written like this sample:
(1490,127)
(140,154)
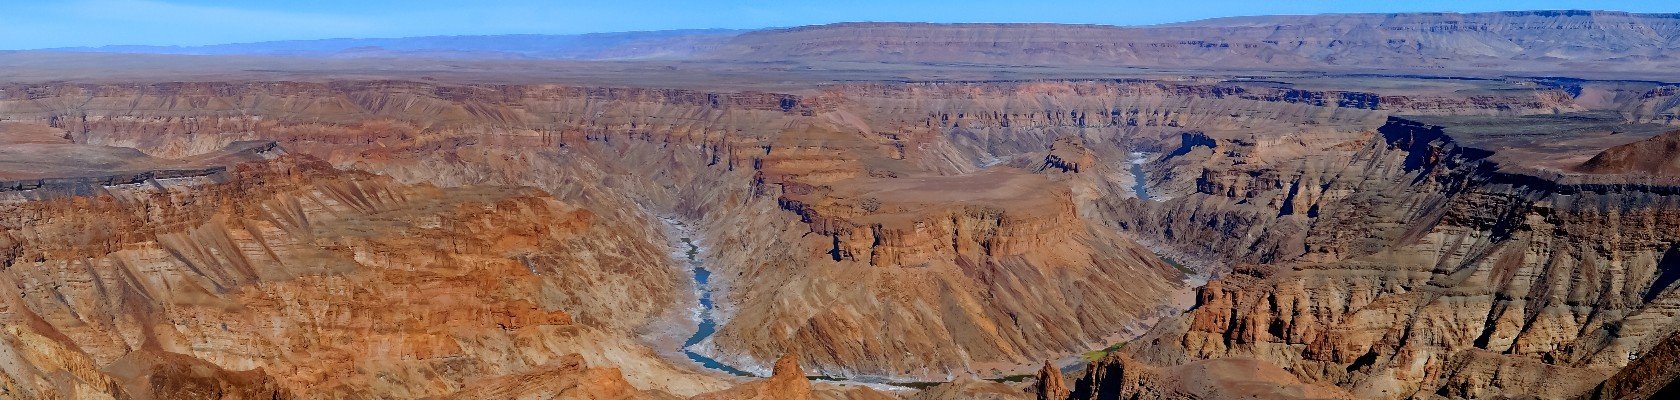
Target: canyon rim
(1340,205)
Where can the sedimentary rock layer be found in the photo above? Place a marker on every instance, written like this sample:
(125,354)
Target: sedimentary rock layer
(288,276)
(831,187)
(926,230)
(1433,271)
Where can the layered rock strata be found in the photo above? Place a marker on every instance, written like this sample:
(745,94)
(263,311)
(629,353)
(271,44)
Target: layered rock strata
(835,208)
(1436,271)
(287,276)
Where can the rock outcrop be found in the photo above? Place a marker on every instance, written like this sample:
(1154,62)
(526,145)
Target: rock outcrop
(1050,385)
(788,382)
(1118,377)
(1441,269)
(1067,155)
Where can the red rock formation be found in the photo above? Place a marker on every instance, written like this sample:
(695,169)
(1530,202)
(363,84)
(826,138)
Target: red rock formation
(1067,155)
(1050,385)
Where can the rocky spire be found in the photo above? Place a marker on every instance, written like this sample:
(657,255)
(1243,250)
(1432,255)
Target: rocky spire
(787,380)
(1050,385)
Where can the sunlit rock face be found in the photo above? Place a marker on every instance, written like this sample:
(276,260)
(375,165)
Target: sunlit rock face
(1429,263)
(827,209)
(422,238)
(285,275)
(831,205)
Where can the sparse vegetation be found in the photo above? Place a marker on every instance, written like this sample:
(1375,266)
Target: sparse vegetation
(1012,378)
(1094,355)
(916,385)
(1177,265)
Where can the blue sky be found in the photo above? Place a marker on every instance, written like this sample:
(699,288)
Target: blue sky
(26,24)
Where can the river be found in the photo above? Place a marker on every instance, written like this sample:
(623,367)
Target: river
(702,285)
(1139,184)
(694,253)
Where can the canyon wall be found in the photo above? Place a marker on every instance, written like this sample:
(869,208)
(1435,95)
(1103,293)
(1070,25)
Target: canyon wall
(911,231)
(784,188)
(286,276)
(888,204)
(1423,268)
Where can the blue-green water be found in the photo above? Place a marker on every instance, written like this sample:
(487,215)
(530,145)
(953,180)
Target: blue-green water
(708,325)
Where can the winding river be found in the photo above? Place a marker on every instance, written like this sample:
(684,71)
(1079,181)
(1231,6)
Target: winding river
(693,253)
(708,325)
(702,283)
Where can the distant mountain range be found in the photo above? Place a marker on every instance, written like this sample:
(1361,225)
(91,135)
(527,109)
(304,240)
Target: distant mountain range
(593,46)
(1554,41)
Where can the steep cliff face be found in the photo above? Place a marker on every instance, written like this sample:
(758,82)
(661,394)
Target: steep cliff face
(1439,271)
(1660,105)
(987,258)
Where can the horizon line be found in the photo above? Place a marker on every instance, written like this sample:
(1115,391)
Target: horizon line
(771,28)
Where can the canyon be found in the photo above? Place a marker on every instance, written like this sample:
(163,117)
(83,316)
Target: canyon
(858,211)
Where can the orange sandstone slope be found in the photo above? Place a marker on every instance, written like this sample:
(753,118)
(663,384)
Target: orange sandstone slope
(282,276)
